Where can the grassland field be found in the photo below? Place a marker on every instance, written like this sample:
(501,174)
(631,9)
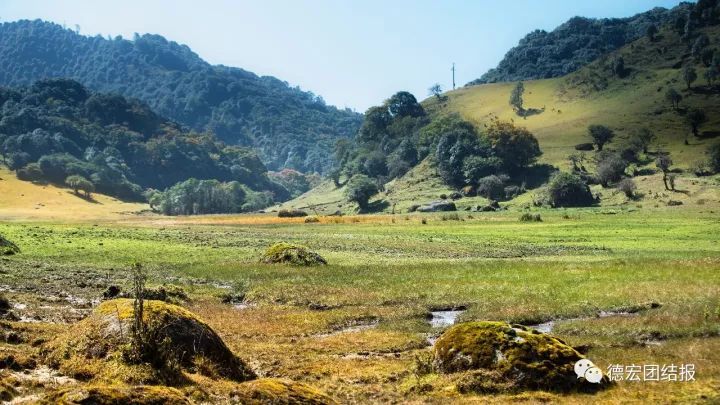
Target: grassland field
(358,327)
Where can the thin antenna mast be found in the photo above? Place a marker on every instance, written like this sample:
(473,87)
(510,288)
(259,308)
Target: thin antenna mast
(453,71)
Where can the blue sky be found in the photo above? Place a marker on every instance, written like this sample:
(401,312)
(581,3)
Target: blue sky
(352,53)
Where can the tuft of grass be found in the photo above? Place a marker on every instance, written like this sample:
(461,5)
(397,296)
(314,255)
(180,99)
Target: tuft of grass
(528,217)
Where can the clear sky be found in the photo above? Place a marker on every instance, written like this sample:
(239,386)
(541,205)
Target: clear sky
(352,53)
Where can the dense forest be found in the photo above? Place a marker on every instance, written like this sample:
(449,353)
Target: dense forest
(398,134)
(577,42)
(289,128)
(58,131)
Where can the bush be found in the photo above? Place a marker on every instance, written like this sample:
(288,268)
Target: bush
(610,168)
(528,217)
(714,157)
(78,183)
(569,190)
(291,214)
(359,189)
(312,220)
(512,191)
(450,217)
(31,172)
(628,187)
(491,187)
(287,253)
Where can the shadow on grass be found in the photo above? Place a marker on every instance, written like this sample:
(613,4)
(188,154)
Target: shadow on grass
(88,198)
(375,206)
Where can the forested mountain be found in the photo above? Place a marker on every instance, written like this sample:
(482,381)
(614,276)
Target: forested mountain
(576,43)
(57,128)
(290,128)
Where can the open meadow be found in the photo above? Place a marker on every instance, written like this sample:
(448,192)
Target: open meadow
(626,287)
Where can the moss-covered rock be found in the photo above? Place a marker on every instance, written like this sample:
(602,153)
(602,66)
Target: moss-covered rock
(8,248)
(516,357)
(280,391)
(97,347)
(116,395)
(287,253)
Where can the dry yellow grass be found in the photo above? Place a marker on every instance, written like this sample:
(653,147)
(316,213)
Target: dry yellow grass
(28,201)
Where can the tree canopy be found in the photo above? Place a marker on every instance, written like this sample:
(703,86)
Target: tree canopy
(289,128)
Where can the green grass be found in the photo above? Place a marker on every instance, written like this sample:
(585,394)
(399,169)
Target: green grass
(392,270)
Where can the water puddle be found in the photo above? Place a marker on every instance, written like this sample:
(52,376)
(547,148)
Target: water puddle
(441,319)
(358,327)
(547,327)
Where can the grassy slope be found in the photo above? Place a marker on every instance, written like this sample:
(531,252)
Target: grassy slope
(26,200)
(625,105)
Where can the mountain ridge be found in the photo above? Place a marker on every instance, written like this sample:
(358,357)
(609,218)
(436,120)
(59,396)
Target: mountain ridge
(290,128)
(574,44)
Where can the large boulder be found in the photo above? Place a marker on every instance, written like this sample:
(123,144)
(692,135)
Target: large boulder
(512,357)
(280,391)
(287,253)
(102,347)
(8,248)
(438,206)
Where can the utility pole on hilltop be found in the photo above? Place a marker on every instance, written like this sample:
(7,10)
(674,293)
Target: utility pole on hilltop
(453,71)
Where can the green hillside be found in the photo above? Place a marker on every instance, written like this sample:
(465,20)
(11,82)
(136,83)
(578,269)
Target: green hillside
(288,127)
(593,95)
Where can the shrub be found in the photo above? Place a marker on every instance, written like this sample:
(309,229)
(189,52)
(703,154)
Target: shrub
(491,187)
(451,217)
(512,191)
(291,213)
(714,157)
(311,219)
(287,253)
(569,190)
(359,189)
(528,217)
(628,187)
(31,172)
(610,168)
(77,183)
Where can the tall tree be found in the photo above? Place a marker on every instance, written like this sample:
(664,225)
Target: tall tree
(674,97)
(689,76)
(601,135)
(516,97)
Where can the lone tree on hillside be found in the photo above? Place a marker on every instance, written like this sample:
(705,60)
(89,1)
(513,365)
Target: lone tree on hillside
(569,190)
(689,76)
(516,97)
(651,31)
(619,67)
(674,97)
(644,138)
(695,118)
(663,162)
(78,183)
(711,74)
(436,90)
(359,189)
(600,135)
